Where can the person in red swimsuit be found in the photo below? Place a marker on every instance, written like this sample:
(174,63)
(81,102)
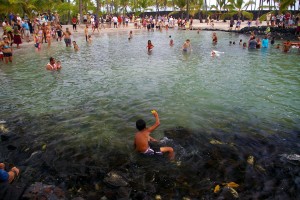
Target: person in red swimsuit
(149,46)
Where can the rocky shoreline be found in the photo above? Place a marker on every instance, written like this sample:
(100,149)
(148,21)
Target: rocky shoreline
(278,33)
(260,170)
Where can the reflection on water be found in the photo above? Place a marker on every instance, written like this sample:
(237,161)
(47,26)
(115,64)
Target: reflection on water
(239,104)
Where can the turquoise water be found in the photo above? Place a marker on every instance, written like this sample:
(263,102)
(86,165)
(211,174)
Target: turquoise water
(107,85)
(248,99)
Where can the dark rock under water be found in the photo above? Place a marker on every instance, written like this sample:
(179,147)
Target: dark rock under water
(257,161)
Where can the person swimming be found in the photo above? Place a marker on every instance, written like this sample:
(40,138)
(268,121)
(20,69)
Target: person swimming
(213,53)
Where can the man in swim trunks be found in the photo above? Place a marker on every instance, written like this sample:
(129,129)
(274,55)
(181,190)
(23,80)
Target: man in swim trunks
(67,37)
(142,138)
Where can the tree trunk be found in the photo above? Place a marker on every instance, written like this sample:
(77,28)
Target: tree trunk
(80,11)
(69,13)
(97,8)
(187,9)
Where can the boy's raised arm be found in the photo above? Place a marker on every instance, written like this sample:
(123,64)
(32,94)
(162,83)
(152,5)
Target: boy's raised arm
(157,122)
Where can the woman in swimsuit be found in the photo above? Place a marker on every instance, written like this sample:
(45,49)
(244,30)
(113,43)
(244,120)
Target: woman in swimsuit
(48,35)
(6,49)
(149,46)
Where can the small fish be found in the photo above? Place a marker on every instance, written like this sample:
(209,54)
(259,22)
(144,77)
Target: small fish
(232,185)
(233,192)
(3,128)
(217,189)
(213,141)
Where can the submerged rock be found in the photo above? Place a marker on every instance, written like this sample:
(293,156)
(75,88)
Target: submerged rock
(115,179)
(39,190)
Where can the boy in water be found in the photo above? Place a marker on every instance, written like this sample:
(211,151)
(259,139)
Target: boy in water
(75,45)
(142,138)
(286,46)
(186,45)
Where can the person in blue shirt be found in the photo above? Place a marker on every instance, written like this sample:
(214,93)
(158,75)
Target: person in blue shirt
(265,42)
(8,176)
(252,43)
(26,30)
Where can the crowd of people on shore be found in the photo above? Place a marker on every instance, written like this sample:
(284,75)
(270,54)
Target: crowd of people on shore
(46,28)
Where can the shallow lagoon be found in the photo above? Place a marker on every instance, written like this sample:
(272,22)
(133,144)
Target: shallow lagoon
(247,98)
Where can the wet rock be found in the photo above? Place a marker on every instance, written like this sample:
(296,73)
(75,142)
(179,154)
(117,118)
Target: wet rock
(123,193)
(78,198)
(116,179)
(178,133)
(39,191)
(9,191)
(11,147)
(141,196)
(4,138)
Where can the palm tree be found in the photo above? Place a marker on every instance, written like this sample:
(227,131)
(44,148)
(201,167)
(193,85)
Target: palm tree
(238,7)
(80,11)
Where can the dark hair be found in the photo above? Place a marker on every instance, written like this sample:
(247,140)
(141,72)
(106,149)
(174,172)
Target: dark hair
(140,124)
(51,59)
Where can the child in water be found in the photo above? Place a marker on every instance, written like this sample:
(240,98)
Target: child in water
(37,41)
(171,41)
(149,46)
(58,65)
(244,45)
(213,54)
(186,45)
(130,35)
(142,139)
(76,48)
(89,39)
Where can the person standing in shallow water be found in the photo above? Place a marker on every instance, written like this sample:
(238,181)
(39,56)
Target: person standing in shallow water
(67,37)
(214,38)
(149,46)
(142,138)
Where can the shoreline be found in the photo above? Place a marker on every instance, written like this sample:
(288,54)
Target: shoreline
(218,26)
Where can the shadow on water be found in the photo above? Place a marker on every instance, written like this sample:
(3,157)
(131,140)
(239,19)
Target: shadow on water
(265,163)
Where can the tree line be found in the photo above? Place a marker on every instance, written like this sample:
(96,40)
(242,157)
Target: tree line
(68,8)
